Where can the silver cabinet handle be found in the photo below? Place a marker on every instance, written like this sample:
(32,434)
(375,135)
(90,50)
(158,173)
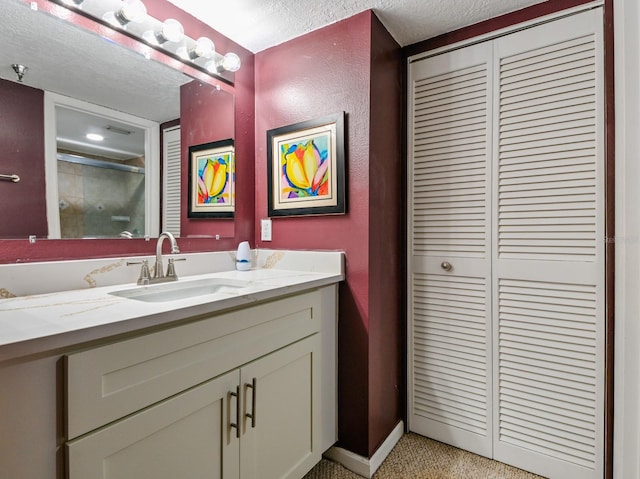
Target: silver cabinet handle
(237,423)
(445,265)
(252,416)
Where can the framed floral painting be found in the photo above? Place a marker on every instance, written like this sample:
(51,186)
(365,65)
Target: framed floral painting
(212,180)
(306,168)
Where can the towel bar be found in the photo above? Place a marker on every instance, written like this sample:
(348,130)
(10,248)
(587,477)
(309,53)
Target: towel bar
(14,178)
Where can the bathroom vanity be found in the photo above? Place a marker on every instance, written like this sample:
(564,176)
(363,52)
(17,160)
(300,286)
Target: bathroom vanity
(238,383)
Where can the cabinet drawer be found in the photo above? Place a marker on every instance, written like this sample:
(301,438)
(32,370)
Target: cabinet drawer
(112,381)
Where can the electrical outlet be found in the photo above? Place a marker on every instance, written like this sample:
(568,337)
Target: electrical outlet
(265,229)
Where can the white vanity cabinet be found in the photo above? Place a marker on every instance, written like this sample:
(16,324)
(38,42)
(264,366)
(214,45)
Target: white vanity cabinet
(181,437)
(282,442)
(245,394)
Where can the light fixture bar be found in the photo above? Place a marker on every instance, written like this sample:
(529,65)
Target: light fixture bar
(131,18)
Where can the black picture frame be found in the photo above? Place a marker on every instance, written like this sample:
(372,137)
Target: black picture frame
(297,185)
(219,159)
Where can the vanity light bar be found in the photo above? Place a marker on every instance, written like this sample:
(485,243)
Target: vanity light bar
(131,17)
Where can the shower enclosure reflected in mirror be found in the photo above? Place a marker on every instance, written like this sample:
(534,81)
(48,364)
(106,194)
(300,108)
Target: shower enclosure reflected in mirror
(102,163)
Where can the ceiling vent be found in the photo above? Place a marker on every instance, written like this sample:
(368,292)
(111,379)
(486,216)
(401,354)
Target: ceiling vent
(115,129)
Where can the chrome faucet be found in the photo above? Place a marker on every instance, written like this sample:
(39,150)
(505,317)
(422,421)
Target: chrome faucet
(145,277)
(158,274)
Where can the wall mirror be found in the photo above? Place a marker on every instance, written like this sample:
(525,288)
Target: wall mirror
(83,73)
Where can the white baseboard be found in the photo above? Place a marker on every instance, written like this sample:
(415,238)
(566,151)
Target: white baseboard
(363,466)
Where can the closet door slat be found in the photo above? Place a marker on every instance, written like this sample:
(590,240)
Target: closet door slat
(458,93)
(449,334)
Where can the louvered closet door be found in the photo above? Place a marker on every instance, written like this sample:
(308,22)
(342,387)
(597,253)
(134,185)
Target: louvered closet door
(449,222)
(171,181)
(548,287)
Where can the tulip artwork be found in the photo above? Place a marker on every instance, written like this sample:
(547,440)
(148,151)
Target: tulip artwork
(306,172)
(212,180)
(305,169)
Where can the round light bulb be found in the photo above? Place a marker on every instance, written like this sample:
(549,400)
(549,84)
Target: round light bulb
(231,62)
(133,11)
(172,30)
(94,137)
(204,47)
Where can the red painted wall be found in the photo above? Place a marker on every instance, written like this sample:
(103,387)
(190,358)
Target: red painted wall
(200,102)
(13,251)
(323,72)
(386,237)
(22,153)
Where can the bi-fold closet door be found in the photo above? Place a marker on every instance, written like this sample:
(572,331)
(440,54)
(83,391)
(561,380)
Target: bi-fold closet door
(506,250)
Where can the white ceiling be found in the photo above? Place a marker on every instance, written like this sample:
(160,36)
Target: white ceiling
(122,141)
(260,24)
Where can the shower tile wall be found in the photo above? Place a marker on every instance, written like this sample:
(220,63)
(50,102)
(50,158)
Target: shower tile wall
(99,202)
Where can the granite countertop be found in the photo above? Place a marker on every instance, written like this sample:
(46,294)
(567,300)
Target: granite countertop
(44,322)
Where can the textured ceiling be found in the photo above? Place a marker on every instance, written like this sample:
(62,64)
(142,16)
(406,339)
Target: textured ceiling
(260,24)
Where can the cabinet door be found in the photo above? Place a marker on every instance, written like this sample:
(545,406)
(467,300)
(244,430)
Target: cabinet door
(281,392)
(186,436)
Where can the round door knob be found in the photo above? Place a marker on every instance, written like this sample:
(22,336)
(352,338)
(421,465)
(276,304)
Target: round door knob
(446,266)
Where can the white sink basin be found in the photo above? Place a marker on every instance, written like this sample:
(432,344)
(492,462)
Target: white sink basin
(181,289)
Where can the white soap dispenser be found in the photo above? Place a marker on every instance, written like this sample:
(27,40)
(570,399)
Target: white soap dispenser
(243,257)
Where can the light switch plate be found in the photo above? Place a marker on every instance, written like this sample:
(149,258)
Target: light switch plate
(265,229)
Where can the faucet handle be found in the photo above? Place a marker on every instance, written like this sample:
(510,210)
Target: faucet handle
(145,276)
(171,269)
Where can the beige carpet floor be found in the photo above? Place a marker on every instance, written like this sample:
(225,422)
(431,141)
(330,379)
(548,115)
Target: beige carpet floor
(417,457)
